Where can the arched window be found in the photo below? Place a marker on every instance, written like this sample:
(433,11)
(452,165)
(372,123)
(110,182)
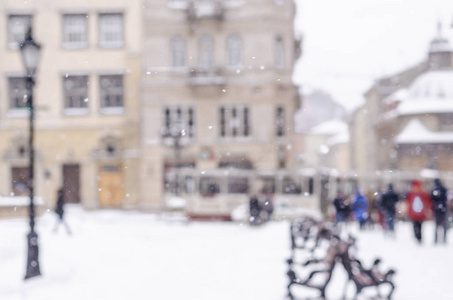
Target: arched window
(206,55)
(178,52)
(279,53)
(234,49)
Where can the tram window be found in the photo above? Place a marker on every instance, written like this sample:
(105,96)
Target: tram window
(289,186)
(238,185)
(209,186)
(268,184)
(189,184)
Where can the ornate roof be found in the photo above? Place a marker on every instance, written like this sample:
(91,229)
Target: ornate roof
(432,92)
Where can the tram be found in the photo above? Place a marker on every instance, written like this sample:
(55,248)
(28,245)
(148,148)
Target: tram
(214,194)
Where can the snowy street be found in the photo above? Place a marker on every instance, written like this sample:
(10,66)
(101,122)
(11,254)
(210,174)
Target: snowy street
(128,255)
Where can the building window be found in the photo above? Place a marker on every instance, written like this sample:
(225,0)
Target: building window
(279,53)
(18,92)
(75,91)
(280,121)
(206,59)
(178,52)
(290,186)
(281,157)
(234,45)
(311,185)
(75,31)
(111,87)
(445,121)
(234,121)
(17,27)
(111,30)
(181,119)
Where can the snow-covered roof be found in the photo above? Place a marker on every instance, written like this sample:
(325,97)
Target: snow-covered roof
(433,84)
(432,92)
(426,107)
(417,133)
(329,128)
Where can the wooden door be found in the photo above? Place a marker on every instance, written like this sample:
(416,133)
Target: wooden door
(71,183)
(111,185)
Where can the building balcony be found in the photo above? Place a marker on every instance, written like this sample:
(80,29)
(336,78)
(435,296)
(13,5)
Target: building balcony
(200,10)
(206,77)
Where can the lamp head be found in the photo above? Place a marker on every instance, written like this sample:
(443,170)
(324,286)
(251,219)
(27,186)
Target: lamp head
(31,53)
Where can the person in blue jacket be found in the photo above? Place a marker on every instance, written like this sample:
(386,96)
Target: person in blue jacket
(360,208)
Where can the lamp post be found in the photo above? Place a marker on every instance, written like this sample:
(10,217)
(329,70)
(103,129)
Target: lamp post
(173,137)
(176,134)
(31,53)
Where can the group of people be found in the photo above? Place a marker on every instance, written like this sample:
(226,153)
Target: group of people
(420,206)
(358,208)
(261,208)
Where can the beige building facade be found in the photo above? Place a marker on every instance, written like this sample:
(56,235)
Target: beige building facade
(86,96)
(219,76)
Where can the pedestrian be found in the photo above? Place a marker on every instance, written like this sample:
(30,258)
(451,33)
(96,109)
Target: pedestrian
(439,202)
(255,209)
(59,210)
(360,208)
(340,208)
(388,206)
(268,205)
(372,208)
(418,207)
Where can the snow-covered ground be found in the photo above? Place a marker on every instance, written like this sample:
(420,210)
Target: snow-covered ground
(128,255)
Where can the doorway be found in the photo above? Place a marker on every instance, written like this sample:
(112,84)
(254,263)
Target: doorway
(111,186)
(71,183)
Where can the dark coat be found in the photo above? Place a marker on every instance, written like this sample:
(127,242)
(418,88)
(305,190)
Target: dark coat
(389,199)
(59,209)
(439,197)
(340,205)
(255,207)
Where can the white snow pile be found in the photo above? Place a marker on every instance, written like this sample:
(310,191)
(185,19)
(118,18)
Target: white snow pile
(120,255)
(19,201)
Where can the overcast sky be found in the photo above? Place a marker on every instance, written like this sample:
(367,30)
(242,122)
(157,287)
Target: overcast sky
(349,43)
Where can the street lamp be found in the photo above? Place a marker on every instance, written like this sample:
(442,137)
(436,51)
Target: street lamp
(176,135)
(31,53)
(173,137)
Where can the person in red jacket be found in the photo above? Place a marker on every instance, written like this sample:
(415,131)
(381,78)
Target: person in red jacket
(418,207)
